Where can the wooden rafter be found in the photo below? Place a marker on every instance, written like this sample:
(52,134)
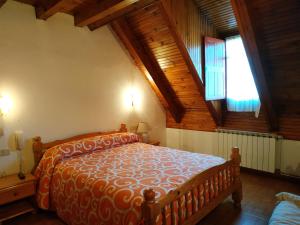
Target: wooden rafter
(136,49)
(252,46)
(217,116)
(2,3)
(103,12)
(49,9)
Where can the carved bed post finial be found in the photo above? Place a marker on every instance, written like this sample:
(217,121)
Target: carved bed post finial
(150,208)
(149,196)
(123,127)
(237,195)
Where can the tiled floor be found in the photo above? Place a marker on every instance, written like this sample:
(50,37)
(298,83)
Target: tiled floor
(257,205)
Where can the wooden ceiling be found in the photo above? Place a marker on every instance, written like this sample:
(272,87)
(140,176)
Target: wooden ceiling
(61,6)
(151,38)
(220,14)
(91,13)
(277,27)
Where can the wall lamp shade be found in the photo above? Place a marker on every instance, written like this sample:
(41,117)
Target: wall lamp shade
(142,128)
(5,105)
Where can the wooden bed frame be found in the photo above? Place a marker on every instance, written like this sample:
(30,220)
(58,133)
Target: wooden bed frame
(227,176)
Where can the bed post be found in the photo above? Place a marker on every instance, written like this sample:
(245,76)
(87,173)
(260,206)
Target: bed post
(37,147)
(237,195)
(123,127)
(150,208)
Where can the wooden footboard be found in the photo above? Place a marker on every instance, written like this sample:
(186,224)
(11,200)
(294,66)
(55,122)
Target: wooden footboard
(196,198)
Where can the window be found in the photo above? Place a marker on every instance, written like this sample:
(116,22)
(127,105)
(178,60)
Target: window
(214,69)
(242,95)
(240,92)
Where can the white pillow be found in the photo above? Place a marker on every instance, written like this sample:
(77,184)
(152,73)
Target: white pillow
(285,213)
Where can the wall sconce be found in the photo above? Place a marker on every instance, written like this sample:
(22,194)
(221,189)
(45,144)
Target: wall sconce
(132,98)
(5,105)
(135,98)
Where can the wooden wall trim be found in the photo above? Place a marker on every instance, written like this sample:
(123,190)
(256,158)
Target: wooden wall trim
(185,54)
(123,30)
(106,11)
(252,47)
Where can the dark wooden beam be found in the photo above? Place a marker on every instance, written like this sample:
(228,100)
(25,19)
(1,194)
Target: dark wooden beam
(2,3)
(137,49)
(230,33)
(252,46)
(217,116)
(103,12)
(48,9)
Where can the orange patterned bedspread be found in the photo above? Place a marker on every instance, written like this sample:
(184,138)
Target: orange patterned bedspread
(101,180)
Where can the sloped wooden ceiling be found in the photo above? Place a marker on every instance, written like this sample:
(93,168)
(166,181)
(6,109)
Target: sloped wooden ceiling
(276,25)
(220,14)
(155,31)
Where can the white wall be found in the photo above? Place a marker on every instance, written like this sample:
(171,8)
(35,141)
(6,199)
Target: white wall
(191,140)
(64,80)
(288,157)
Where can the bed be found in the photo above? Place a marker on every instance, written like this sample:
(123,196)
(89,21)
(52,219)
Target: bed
(111,178)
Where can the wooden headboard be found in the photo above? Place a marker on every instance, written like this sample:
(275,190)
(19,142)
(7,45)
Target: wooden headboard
(39,147)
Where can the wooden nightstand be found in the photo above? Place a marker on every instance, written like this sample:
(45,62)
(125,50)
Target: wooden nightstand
(14,194)
(157,143)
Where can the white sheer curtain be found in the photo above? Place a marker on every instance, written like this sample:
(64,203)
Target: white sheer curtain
(242,94)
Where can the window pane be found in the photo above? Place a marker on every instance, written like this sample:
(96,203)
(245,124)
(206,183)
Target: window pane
(242,94)
(214,69)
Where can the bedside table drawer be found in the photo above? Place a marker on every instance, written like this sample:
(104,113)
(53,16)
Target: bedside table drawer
(17,192)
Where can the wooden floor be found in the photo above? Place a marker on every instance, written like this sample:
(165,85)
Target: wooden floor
(257,205)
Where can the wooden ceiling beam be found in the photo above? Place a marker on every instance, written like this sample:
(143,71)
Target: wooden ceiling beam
(44,11)
(103,12)
(142,54)
(216,115)
(253,47)
(2,3)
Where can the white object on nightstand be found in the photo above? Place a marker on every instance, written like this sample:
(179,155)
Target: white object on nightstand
(143,130)
(19,145)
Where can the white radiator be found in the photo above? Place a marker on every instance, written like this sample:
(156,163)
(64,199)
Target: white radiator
(257,149)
